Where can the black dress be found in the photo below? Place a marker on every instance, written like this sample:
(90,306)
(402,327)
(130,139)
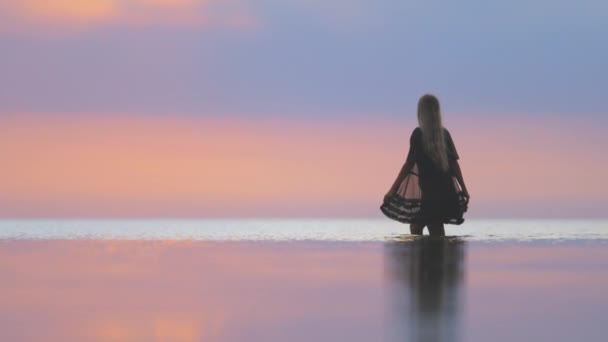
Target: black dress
(427,193)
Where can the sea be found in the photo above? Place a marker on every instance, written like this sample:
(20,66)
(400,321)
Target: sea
(478,230)
(302,280)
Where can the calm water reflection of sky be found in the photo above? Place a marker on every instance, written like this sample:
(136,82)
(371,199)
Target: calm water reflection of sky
(402,289)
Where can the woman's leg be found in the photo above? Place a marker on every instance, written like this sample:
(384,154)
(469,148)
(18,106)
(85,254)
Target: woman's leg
(416,228)
(436,229)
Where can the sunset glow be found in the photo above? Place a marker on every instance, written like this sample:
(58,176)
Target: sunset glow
(65,14)
(127,165)
(214,108)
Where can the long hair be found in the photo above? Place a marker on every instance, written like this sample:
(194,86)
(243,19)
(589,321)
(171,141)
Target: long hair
(433,139)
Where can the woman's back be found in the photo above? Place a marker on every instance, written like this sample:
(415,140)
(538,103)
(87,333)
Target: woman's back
(426,165)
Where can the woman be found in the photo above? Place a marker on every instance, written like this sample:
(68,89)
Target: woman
(429,190)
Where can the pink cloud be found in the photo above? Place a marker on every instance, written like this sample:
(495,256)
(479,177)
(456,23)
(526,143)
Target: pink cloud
(74,15)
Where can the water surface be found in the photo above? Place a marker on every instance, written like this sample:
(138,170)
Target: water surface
(128,283)
(297,229)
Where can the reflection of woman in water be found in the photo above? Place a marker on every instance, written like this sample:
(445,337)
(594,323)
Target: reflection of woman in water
(429,190)
(426,289)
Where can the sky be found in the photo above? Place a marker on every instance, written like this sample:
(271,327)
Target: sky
(298,108)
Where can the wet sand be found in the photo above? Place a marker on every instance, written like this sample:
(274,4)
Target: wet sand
(399,290)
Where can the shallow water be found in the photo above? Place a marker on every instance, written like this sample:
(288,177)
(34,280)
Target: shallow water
(126,283)
(298,229)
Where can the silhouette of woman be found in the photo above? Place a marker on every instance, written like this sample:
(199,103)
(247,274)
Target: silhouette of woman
(429,190)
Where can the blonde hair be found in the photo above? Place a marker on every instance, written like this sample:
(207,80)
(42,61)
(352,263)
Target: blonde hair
(433,139)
